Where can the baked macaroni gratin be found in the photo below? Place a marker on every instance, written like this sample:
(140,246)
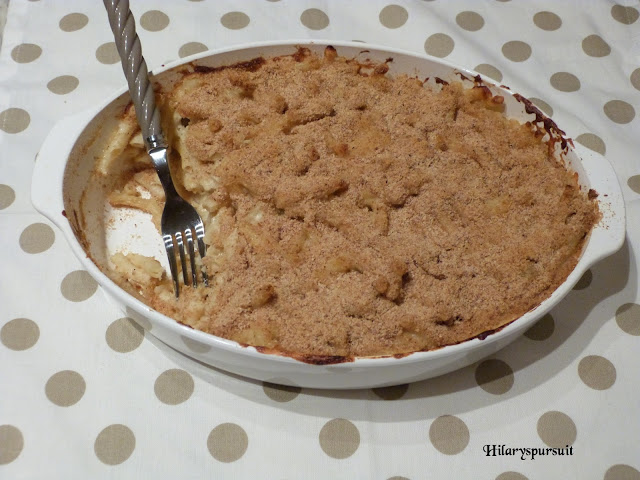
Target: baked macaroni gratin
(349,213)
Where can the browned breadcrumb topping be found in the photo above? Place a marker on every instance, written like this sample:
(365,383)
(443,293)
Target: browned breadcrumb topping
(353,214)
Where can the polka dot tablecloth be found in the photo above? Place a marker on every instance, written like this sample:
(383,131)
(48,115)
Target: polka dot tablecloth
(87,393)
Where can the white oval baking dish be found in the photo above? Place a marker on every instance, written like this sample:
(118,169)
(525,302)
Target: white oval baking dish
(66,160)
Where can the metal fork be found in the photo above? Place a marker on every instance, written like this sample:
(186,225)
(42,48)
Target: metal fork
(179,219)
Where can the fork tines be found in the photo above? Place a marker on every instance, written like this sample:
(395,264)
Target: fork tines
(178,239)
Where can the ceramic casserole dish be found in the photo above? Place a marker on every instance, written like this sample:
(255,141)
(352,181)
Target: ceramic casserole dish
(66,160)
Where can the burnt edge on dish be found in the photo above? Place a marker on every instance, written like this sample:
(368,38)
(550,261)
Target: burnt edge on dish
(310,359)
(338,359)
(252,65)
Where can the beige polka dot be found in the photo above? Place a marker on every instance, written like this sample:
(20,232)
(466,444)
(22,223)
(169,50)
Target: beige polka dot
(595,46)
(628,318)
(154,20)
(592,142)
(565,82)
(449,434)
(114,444)
(192,48)
(584,281)
(7,196)
(65,388)
(439,45)
(339,438)
(63,84)
(556,429)
(107,53)
(393,16)
(139,319)
(542,105)
(619,111)
(622,472)
(11,443)
(124,335)
(548,21)
(26,52)
(494,376)
(78,286)
(37,238)
(597,372)
(391,393)
(174,386)
(73,22)
(470,21)
(634,183)
(227,442)
(542,330)
(626,15)
(516,51)
(489,71)
(280,393)
(511,476)
(194,345)
(235,20)
(314,19)
(19,334)
(14,120)
(635,78)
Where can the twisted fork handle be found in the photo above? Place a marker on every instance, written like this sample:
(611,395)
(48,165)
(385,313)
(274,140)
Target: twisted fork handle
(135,70)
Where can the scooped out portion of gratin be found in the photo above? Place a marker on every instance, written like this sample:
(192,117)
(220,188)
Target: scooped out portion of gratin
(348,212)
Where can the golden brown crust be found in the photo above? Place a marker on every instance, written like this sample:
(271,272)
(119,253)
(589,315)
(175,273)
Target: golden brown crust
(351,214)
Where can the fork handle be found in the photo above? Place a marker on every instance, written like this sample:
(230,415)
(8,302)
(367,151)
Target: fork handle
(135,70)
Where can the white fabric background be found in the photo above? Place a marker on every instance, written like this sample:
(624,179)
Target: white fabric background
(285,439)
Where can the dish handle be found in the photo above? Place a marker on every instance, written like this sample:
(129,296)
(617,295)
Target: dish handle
(48,174)
(609,233)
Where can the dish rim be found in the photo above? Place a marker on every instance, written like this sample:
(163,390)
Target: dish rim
(77,123)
